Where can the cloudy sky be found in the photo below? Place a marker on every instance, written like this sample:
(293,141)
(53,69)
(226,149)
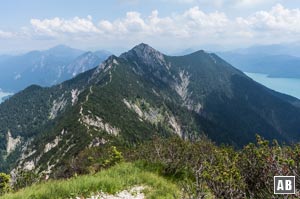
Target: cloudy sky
(169,25)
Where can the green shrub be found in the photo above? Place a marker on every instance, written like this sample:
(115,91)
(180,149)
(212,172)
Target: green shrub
(4,183)
(25,178)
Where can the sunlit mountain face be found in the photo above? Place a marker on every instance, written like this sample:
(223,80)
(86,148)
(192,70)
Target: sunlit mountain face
(133,97)
(149,99)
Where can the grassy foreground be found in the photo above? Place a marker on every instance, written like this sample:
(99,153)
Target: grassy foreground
(113,180)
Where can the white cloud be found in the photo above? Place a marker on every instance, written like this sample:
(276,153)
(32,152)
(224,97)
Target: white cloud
(198,19)
(277,19)
(189,23)
(56,26)
(191,27)
(6,35)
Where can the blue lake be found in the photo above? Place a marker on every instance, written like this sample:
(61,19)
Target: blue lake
(290,86)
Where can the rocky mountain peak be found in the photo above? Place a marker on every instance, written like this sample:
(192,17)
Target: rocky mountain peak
(145,54)
(143,48)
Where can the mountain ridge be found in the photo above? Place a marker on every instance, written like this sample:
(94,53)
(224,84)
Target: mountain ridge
(128,99)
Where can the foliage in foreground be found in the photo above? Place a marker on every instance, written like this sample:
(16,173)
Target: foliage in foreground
(89,161)
(200,168)
(222,171)
(4,183)
(117,178)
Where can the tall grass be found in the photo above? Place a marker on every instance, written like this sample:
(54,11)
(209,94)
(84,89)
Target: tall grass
(113,180)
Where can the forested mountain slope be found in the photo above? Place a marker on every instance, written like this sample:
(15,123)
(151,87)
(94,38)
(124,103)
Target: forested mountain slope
(128,99)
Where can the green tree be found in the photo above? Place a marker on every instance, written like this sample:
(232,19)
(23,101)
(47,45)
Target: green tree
(25,178)
(222,174)
(260,162)
(4,183)
(115,157)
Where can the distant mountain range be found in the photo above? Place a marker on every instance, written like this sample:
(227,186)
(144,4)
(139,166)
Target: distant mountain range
(292,49)
(46,68)
(273,60)
(128,99)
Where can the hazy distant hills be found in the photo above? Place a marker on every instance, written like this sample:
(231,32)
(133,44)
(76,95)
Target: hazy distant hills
(274,60)
(292,49)
(47,67)
(130,98)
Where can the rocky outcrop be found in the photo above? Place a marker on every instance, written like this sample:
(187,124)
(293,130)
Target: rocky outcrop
(147,55)
(154,115)
(57,106)
(12,143)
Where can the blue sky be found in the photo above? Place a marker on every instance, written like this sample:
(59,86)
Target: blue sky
(170,25)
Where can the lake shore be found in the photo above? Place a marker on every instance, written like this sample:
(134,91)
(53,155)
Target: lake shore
(290,86)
